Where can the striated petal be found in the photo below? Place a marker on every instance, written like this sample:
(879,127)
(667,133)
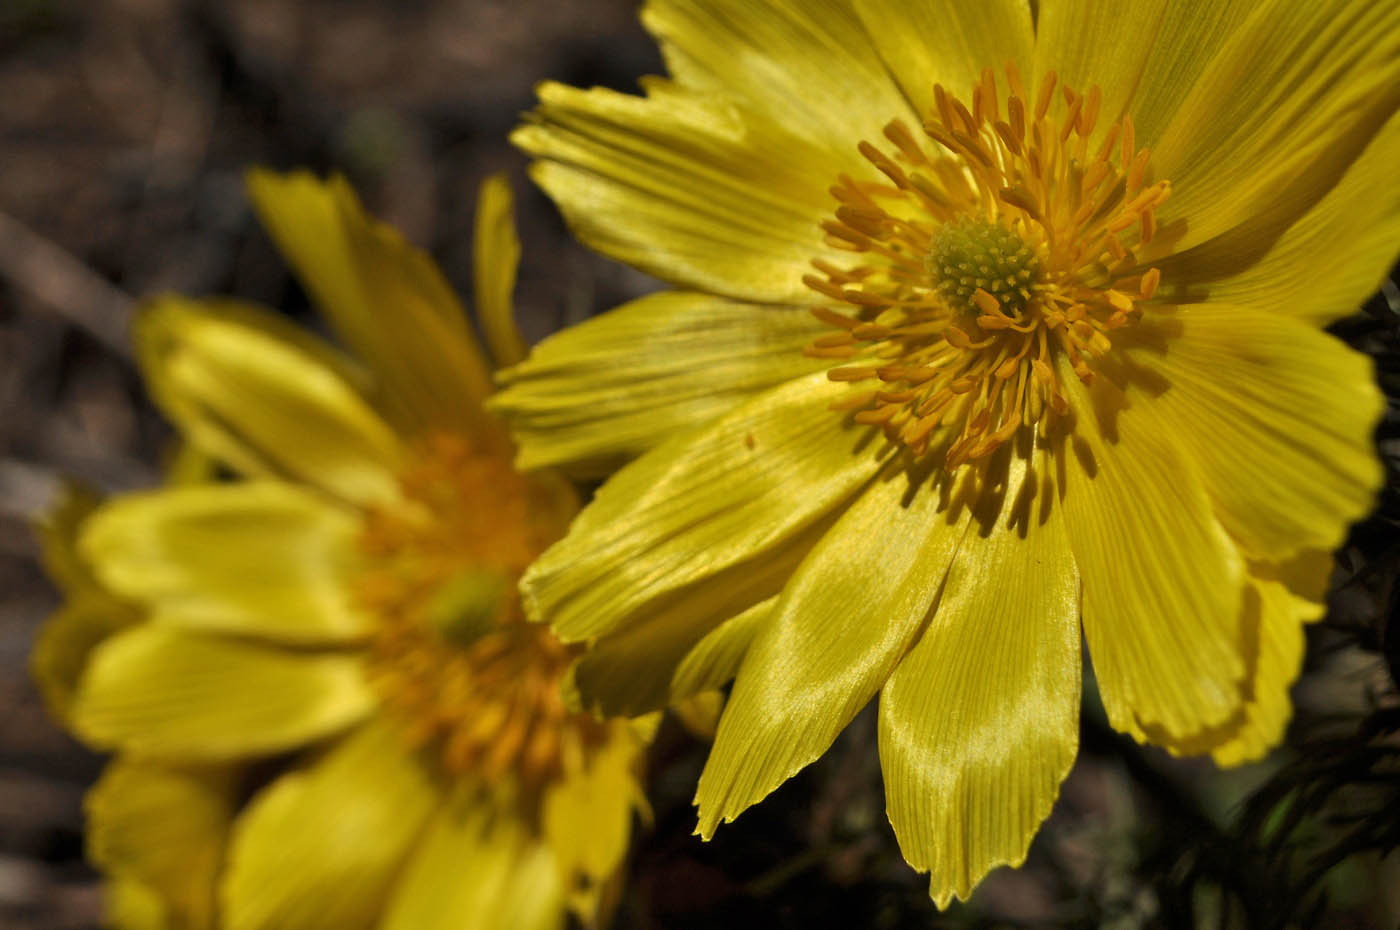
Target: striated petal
(803,65)
(840,627)
(680,185)
(922,44)
(1275,416)
(1353,235)
(638,668)
(168,693)
(1144,55)
(385,298)
(715,660)
(263,404)
(605,391)
(321,846)
(693,643)
(477,865)
(700,504)
(164,828)
(1284,108)
(263,559)
(979,723)
(1163,582)
(495,258)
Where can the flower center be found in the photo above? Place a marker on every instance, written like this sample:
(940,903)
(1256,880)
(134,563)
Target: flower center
(993,247)
(453,655)
(971,254)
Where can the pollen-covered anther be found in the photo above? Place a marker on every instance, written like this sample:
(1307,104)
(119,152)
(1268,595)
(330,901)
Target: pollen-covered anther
(997,245)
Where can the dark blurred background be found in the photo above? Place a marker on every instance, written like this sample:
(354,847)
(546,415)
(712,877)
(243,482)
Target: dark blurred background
(124,128)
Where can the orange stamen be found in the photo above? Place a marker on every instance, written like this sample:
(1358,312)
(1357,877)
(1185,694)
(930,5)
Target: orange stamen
(987,250)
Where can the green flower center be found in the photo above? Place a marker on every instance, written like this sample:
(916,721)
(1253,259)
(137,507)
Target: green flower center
(968,254)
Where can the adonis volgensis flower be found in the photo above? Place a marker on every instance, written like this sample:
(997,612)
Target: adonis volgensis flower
(997,327)
(328,707)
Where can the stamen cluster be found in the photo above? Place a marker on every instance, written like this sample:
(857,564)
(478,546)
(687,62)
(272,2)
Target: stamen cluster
(997,243)
(453,656)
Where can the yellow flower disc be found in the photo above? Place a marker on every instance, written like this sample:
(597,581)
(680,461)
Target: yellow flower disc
(453,653)
(999,242)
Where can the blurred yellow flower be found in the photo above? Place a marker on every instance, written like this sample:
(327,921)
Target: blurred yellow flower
(996,326)
(328,707)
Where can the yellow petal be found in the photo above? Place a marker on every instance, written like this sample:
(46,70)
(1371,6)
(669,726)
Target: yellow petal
(807,66)
(1285,106)
(187,464)
(644,729)
(262,404)
(1281,616)
(277,327)
(1281,597)
(66,641)
(321,846)
(635,670)
(385,298)
(1144,55)
(258,558)
(979,724)
(600,393)
(166,828)
(1163,582)
(840,627)
(679,185)
(478,865)
(1276,416)
(715,660)
(90,612)
(169,693)
(699,713)
(495,257)
(693,642)
(1352,234)
(587,818)
(128,904)
(922,44)
(701,503)
(58,530)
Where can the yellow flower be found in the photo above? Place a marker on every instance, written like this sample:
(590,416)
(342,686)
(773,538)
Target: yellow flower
(328,707)
(994,328)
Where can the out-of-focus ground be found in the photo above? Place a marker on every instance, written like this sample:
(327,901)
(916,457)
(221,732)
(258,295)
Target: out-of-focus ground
(124,128)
